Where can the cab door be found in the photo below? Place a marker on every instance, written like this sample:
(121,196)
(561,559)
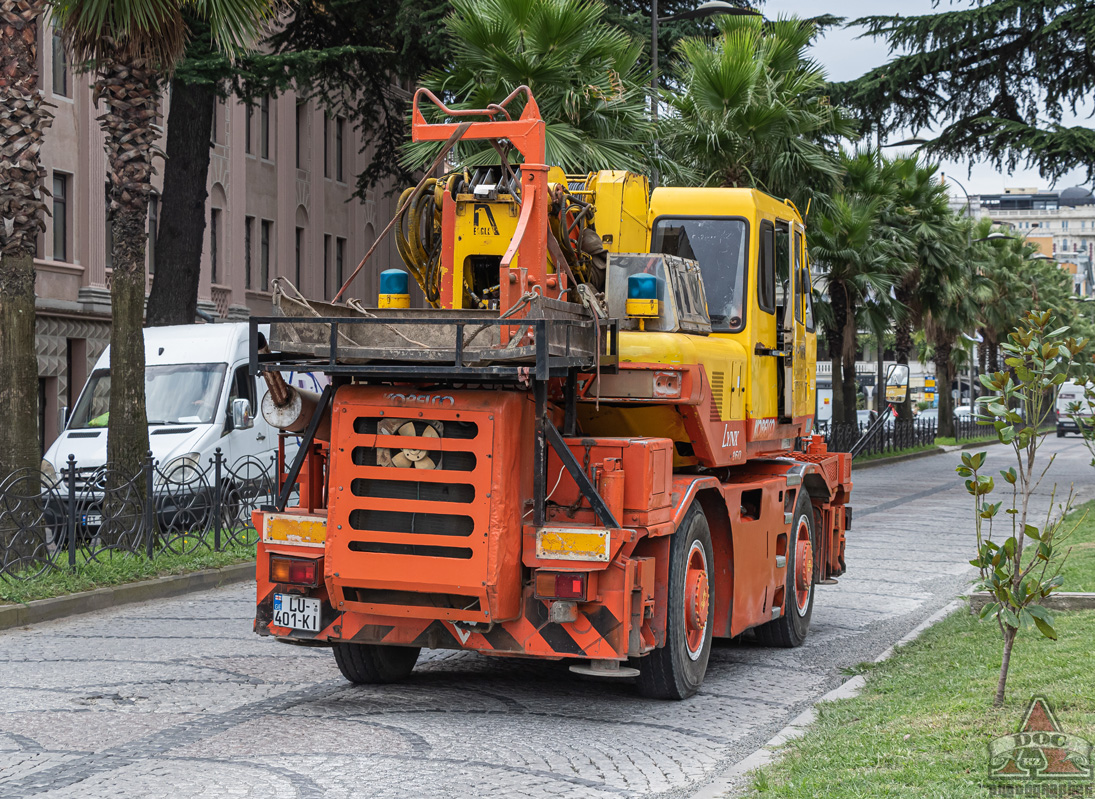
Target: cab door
(797,344)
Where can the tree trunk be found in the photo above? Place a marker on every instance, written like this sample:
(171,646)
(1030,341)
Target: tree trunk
(993,356)
(1002,683)
(174,296)
(850,341)
(23,120)
(835,338)
(130,91)
(19,366)
(903,344)
(944,376)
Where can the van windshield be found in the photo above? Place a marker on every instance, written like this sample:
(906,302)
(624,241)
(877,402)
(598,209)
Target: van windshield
(186,393)
(720,246)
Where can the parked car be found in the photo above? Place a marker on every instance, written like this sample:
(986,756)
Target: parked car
(199,398)
(1071,404)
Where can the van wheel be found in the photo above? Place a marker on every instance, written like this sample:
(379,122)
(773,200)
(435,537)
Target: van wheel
(676,670)
(1060,433)
(370,664)
(790,629)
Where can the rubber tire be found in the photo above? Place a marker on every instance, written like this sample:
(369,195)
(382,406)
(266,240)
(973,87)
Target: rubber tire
(668,672)
(1060,433)
(373,664)
(790,629)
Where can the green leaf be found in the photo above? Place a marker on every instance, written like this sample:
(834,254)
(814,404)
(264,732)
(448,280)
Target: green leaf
(964,471)
(1033,532)
(1040,612)
(1008,617)
(1045,628)
(1010,475)
(989,609)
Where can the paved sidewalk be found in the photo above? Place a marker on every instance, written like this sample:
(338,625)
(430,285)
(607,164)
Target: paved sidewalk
(177,697)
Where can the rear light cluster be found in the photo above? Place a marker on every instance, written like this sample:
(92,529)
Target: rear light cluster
(562,585)
(295,571)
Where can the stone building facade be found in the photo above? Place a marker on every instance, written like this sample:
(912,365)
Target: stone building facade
(281,184)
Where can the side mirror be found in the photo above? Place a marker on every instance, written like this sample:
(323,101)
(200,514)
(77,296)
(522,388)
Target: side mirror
(62,417)
(242,419)
(897,384)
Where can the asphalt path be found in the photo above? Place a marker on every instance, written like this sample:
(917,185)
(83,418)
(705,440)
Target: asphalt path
(177,697)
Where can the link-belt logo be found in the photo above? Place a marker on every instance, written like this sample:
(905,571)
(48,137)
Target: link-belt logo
(485,225)
(1040,751)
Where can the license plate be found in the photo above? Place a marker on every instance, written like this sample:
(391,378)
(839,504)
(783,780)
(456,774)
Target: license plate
(296,612)
(93,520)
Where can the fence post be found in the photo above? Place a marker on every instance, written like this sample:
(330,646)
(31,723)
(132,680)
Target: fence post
(71,511)
(149,506)
(217,500)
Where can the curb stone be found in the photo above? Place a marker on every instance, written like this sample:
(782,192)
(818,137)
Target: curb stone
(1058,600)
(41,610)
(721,786)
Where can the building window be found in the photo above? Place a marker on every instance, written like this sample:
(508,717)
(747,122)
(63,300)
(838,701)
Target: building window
(60,67)
(153,228)
(264,124)
(326,264)
(264,255)
(340,125)
(214,245)
(340,257)
(301,119)
(1064,224)
(248,128)
(60,216)
(248,233)
(299,256)
(326,146)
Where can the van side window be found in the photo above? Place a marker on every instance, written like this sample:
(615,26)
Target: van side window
(766,268)
(242,386)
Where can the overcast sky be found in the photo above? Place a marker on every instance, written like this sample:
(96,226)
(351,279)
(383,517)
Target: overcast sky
(845,57)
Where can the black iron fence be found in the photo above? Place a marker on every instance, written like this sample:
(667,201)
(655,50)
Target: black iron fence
(894,436)
(57,520)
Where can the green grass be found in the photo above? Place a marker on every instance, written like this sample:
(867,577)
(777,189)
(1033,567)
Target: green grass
(1079,569)
(945,441)
(921,726)
(115,569)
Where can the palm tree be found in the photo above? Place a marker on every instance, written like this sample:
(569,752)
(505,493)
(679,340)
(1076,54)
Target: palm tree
(853,262)
(920,213)
(23,119)
(753,112)
(132,47)
(583,72)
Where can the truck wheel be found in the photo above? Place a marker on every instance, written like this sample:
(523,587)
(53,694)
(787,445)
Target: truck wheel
(675,671)
(370,664)
(790,628)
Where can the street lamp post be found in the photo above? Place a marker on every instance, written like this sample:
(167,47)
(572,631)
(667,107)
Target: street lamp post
(708,9)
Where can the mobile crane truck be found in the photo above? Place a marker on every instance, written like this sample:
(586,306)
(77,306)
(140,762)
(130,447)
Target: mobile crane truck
(594,445)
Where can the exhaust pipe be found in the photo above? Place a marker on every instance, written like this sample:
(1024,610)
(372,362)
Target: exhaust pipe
(289,408)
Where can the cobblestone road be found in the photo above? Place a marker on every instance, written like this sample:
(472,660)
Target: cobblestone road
(178,698)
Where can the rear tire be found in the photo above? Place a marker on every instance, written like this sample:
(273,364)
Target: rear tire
(790,629)
(372,664)
(1060,433)
(676,670)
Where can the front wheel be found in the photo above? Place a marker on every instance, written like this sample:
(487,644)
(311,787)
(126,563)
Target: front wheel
(790,629)
(676,670)
(370,664)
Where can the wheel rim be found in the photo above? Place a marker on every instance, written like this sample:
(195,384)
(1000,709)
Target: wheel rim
(804,566)
(697,600)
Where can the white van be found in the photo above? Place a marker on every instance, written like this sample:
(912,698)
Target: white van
(1068,394)
(198,397)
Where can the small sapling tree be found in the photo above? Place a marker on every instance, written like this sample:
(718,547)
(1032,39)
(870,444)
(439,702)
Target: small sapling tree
(1022,570)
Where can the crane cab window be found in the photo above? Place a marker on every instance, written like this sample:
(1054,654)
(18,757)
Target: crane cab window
(721,247)
(800,283)
(766,268)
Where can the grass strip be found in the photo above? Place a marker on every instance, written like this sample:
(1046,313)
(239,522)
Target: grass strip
(116,568)
(1079,569)
(922,724)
